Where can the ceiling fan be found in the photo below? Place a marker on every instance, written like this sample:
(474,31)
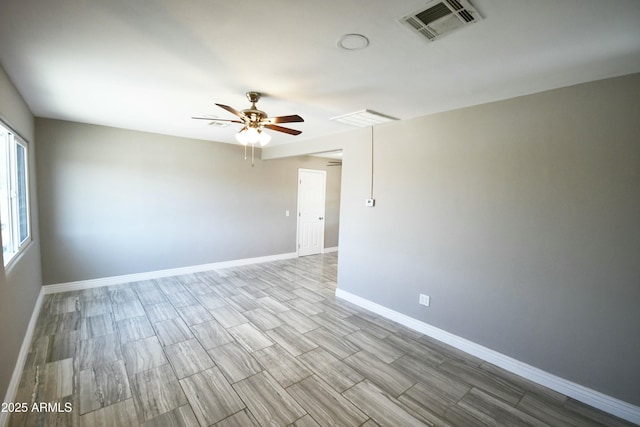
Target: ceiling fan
(255,121)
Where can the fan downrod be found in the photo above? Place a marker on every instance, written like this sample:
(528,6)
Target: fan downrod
(253,97)
(253,113)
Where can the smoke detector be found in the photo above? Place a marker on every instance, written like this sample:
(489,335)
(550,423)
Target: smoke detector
(441,17)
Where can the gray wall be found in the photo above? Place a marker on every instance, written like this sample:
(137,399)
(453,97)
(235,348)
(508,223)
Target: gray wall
(520,218)
(332,205)
(21,282)
(115,202)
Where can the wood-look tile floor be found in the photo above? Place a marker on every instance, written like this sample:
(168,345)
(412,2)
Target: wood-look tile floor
(262,345)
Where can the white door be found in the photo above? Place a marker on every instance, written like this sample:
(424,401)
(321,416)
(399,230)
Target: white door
(311,199)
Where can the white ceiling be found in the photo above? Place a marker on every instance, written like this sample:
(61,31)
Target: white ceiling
(151,64)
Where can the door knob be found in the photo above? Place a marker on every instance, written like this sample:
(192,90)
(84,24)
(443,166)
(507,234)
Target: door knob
(321,218)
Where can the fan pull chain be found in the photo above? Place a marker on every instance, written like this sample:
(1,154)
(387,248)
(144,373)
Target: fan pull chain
(253,147)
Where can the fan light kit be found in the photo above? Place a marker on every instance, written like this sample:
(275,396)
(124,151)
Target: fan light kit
(255,121)
(251,135)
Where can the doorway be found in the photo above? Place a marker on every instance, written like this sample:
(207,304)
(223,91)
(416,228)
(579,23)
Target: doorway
(311,211)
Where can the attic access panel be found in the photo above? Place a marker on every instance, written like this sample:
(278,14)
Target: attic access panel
(441,17)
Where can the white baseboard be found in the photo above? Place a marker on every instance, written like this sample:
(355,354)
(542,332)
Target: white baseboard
(14,383)
(328,250)
(158,274)
(581,393)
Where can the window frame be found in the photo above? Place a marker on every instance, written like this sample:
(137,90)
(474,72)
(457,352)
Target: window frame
(15,203)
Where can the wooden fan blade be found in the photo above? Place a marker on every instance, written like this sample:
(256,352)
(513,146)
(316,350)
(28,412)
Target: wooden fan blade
(231,110)
(216,120)
(286,119)
(283,129)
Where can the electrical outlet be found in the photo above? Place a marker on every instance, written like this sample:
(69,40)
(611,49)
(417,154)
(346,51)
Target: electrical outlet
(370,203)
(425,300)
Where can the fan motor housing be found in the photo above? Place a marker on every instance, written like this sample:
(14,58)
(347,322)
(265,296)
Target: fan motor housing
(254,115)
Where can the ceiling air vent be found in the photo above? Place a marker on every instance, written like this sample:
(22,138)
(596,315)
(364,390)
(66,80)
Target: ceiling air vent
(363,118)
(440,17)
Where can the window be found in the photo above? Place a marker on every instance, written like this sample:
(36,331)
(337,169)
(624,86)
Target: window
(14,194)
